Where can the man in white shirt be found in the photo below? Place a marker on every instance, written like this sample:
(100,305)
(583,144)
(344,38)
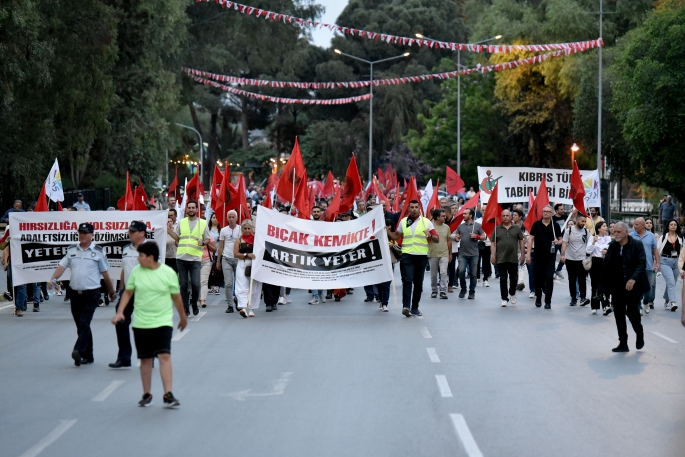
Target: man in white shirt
(572,254)
(226,261)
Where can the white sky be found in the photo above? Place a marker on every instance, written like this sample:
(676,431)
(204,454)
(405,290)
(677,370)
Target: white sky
(322,37)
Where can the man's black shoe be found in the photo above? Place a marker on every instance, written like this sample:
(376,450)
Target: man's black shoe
(8,296)
(623,347)
(337,298)
(196,311)
(274,307)
(36,308)
(574,303)
(462,293)
(119,364)
(548,306)
(229,309)
(416,312)
(350,291)
(329,296)
(640,343)
(77,358)
(406,312)
(434,295)
(85,361)
(538,303)
(584,301)
(472,295)
(268,308)
(368,299)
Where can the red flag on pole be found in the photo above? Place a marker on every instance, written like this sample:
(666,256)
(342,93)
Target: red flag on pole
(453,182)
(191,187)
(226,198)
(59,206)
(328,188)
(125,203)
(381,197)
(531,199)
(535,212)
(433,203)
(302,202)
(353,185)
(140,198)
(243,208)
(577,193)
(42,203)
(217,178)
(173,187)
(493,213)
(272,183)
(267,201)
(292,176)
(459,217)
(333,209)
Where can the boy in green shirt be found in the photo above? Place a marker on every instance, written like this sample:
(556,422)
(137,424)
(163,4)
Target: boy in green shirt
(155,286)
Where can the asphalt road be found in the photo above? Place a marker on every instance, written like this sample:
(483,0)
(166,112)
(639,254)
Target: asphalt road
(342,379)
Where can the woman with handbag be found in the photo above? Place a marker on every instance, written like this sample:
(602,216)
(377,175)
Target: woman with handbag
(597,247)
(208,261)
(247,290)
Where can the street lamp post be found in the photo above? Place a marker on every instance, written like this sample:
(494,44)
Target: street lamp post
(459,66)
(371,63)
(202,156)
(574,149)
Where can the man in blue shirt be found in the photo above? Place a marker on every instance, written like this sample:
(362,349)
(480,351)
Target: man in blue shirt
(16,208)
(651,253)
(81,205)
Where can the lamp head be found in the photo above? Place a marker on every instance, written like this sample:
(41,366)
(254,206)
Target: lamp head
(498,37)
(575,148)
(406,54)
(337,51)
(419,36)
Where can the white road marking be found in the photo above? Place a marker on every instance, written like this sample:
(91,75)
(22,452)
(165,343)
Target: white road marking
(661,335)
(180,335)
(443,386)
(425,333)
(51,438)
(114,385)
(278,388)
(465,436)
(199,316)
(7,306)
(433,355)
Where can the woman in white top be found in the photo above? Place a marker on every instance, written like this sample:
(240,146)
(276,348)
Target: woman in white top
(243,251)
(670,245)
(597,246)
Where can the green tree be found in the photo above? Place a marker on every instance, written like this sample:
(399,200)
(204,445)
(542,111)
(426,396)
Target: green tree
(648,101)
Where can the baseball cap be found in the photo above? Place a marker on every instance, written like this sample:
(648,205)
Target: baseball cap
(137,226)
(86,227)
(79,194)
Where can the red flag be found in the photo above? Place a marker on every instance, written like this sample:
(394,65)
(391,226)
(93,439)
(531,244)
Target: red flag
(191,187)
(454,182)
(535,212)
(396,202)
(292,176)
(393,182)
(410,193)
(577,193)
(459,217)
(328,189)
(493,213)
(433,203)
(353,185)
(267,201)
(333,209)
(226,199)
(531,199)
(382,180)
(140,198)
(42,203)
(173,187)
(381,197)
(125,203)
(302,202)
(59,206)
(243,208)
(217,178)
(272,183)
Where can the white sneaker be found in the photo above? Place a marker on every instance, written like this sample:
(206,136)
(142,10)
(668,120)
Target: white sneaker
(385,308)
(314,301)
(673,306)
(251,313)
(594,311)
(667,305)
(287,299)
(531,295)
(281,300)
(512,299)
(478,279)
(642,313)
(485,284)
(646,308)
(504,303)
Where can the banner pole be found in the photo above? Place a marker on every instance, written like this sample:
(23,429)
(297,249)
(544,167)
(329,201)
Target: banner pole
(394,292)
(249,297)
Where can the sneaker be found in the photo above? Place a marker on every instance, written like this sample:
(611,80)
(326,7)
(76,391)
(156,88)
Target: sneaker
(204,304)
(243,312)
(250,313)
(478,279)
(196,311)
(313,301)
(19,312)
(274,307)
(584,301)
(472,295)
(350,291)
(281,301)
(434,295)
(646,308)
(380,306)
(229,310)
(368,299)
(486,283)
(8,296)
(170,401)
(673,306)
(640,342)
(385,308)
(538,303)
(322,300)
(512,299)
(329,296)
(559,275)
(622,347)
(450,289)
(416,312)
(573,303)
(146,400)
(406,312)
(520,286)
(443,296)
(77,358)
(336,298)
(36,307)
(651,305)
(462,293)
(594,311)
(642,312)
(531,295)
(607,311)
(548,306)
(504,303)
(666,305)
(287,299)
(268,308)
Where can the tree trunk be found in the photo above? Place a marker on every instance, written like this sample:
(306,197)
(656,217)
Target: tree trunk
(243,123)
(193,114)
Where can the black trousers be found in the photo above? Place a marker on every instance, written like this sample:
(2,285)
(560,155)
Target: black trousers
(626,304)
(171,263)
(412,268)
(124,334)
(452,271)
(576,271)
(508,271)
(543,269)
(271,294)
(596,274)
(83,306)
(484,262)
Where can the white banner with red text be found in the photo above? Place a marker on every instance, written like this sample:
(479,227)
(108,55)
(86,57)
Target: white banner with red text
(39,240)
(305,254)
(515,183)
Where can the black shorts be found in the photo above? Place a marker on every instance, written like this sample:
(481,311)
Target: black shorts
(152,341)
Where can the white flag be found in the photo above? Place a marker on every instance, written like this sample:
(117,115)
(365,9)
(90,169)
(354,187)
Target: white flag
(181,212)
(426,195)
(53,186)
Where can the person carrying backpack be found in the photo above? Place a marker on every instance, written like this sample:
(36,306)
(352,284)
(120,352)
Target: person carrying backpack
(572,254)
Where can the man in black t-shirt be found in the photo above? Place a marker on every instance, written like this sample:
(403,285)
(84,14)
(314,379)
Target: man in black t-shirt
(546,236)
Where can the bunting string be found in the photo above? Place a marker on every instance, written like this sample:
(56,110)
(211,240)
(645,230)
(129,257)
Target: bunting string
(269,98)
(203,76)
(405,41)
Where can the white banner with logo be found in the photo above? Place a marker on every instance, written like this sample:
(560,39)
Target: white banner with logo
(305,254)
(515,183)
(39,240)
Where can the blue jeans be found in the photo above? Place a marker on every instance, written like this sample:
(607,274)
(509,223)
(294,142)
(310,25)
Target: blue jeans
(670,272)
(412,268)
(36,293)
(472,261)
(371,291)
(20,297)
(317,294)
(192,268)
(648,297)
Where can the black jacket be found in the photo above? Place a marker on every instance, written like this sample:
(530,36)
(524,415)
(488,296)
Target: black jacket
(618,269)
